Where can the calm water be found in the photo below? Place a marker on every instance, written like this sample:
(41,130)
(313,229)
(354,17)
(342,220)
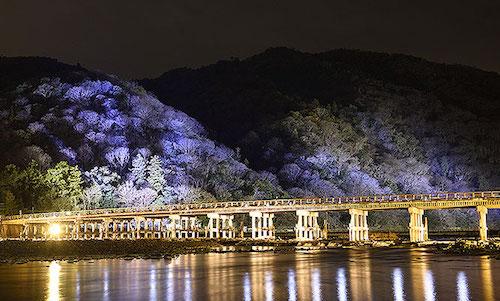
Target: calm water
(333,275)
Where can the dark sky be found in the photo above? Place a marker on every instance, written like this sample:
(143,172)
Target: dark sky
(144,38)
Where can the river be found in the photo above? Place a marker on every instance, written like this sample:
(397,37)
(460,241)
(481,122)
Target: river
(345,274)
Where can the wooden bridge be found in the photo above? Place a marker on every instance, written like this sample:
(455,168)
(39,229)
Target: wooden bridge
(182,220)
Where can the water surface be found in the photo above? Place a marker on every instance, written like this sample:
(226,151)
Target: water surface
(355,274)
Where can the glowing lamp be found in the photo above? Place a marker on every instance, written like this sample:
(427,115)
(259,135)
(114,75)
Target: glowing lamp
(54,229)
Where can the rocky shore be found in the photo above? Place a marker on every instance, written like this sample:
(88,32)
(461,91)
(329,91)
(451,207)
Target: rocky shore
(471,247)
(15,251)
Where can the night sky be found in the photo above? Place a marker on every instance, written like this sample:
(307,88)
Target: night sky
(144,38)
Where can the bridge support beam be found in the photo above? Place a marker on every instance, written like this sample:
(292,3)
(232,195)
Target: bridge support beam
(182,227)
(173,226)
(140,226)
(307,227)
(358,226)
(220,225)
(418,226)
(262,225)
(483,228)
(189,227)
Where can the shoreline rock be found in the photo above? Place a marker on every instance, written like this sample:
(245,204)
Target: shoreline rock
(18,252)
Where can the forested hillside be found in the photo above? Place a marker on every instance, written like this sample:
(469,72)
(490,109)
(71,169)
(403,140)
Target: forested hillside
(279,124)
(72,138)
(348,122)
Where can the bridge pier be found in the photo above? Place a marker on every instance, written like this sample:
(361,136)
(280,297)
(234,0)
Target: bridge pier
(103,231)
(483,228)
(76,230)
(220,225)
(358,226)
(182,227)
(227,228)
(138,224)
(418,226)
(172,227)
(262,225)
(188,227)
(307,227)
(213,225)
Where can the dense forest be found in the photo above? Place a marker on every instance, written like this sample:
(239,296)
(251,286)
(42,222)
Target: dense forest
(279,124)
(72,139)
(348,122)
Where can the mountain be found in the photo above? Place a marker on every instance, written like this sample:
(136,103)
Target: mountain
(349,122)
(393,122)
(127,145)
(279,124)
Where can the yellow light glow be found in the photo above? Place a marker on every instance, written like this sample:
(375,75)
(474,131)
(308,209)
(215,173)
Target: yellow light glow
(54,275)
(54,229)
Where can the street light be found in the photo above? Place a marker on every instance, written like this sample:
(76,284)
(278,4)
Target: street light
(54,230)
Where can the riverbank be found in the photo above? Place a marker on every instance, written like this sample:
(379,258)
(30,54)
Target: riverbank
(15,251)
(471,248)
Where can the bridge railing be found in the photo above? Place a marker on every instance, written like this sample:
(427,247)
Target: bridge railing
(261,204)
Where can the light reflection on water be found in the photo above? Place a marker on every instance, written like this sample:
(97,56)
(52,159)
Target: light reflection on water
(462,287)
(292,286)
(429,290)
(397,284)
(335,275)
(316,285)
(54,275)
(341,285)
(487,279)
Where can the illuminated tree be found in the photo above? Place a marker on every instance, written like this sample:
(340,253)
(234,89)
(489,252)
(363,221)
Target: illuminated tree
(118,157)
(138,170)
(155,175)
(106,181)
(66,180)
(91,198)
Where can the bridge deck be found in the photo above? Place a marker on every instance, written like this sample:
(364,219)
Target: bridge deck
(446,200)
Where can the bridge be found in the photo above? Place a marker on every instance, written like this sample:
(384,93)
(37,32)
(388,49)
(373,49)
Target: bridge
(183,220)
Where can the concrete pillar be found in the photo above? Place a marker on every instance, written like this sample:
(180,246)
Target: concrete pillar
(227,227)
(156,228)
(92,228)
(85,231)
(324,231)
(105,226)
(254,226)
(138,221)
(271,232)
(416,226)
(483,227)
(220,225)
(130,231)
(189,228)
(262,225)
(358,226)
(76,229)
(25,233)
(114,226)
(213,225)
(174,226)
(307,227)
(426,229)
